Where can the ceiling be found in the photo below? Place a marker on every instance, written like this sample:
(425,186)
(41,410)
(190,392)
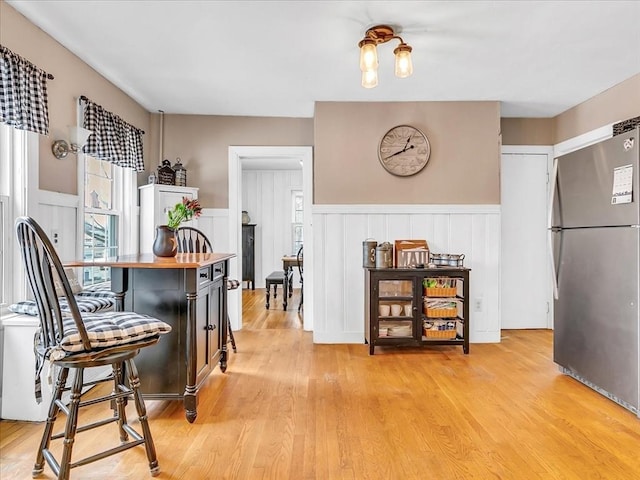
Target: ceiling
(276,58)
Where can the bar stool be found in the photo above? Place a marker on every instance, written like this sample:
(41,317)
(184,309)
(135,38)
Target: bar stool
(72,341)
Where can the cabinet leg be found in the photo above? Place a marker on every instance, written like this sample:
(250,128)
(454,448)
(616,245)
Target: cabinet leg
(223,359)
(190,404)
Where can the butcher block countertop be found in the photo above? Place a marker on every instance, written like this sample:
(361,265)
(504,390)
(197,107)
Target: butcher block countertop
(149,260)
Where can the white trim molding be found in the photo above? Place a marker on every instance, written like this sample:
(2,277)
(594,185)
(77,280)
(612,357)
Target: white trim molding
(405,209)
(303,154)
(584,140)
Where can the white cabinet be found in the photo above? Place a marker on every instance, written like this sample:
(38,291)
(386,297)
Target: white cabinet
(155,201)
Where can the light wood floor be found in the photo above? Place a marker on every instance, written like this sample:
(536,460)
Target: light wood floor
(289,409)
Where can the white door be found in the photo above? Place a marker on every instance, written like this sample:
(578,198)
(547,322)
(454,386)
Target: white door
(525,279)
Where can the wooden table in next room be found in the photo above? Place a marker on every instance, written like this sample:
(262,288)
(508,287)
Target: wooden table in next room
(288,264)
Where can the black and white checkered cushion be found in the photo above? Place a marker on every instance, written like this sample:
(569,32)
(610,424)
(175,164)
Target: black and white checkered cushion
(97,290)
(109,329)
(96,302)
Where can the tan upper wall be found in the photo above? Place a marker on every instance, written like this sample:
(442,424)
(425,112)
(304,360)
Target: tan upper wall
(620,102)
(527,131)
(202,143)
(463,167)
(73,78)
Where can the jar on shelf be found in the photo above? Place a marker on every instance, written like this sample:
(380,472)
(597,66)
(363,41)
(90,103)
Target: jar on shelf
(181,173)
(384,255)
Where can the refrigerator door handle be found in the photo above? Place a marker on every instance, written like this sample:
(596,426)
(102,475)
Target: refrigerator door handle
(552,188)
(552,192)
(553,263)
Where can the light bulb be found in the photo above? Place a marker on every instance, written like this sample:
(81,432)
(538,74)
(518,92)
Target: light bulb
(404,66)
(368,55)
(370,78)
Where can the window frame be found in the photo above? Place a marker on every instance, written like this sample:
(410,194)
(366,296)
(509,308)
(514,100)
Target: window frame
(296,244)
(19,157)
(124,207)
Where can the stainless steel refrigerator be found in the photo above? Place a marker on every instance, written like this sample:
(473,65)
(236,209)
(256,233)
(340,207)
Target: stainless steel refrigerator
(595,237)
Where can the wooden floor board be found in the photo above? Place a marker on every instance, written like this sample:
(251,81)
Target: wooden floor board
(289,409)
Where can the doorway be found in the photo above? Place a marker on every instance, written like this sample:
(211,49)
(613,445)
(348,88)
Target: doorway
(238,155)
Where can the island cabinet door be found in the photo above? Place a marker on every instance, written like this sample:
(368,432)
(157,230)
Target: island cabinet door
(216,291)
(203,332)
(208,327)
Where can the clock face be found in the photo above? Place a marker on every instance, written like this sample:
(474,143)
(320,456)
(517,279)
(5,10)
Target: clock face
(404,150)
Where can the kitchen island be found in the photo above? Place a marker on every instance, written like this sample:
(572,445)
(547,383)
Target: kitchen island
(188,292)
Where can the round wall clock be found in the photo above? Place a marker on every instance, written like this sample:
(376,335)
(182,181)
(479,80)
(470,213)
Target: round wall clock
(404,150)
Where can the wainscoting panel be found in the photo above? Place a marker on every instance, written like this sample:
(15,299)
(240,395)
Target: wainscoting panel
(58,216)
(214,223)
(339,279)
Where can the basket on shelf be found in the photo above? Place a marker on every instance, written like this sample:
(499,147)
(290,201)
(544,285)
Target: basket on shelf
(440,291)
(439,287)
(441,312)
(440,308)
(440,329)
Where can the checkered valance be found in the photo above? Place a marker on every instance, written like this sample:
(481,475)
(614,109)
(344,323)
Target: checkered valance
(23,93)
(112,139)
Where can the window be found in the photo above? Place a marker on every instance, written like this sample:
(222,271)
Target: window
(297,216)
(18,186)
(101,218)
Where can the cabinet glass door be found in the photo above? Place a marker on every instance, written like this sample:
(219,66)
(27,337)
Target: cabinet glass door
(395,309)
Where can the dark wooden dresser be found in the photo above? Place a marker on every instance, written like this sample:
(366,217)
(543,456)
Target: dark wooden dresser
(248,255)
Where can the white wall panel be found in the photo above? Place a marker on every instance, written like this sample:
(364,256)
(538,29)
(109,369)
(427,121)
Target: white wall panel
(339,279)
(214,223)
(58,216)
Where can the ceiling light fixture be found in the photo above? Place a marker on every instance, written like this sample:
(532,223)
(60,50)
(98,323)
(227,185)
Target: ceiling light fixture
(369,54)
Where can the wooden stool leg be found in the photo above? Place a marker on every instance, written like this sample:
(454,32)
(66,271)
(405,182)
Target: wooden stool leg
(134,383)
(275,290)
(71,425)
(38,467)
(120,402)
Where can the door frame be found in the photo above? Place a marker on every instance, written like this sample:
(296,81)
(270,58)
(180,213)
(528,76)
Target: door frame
(236,155)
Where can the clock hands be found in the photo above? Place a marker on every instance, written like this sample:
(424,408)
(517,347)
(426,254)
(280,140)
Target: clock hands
(401,151)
